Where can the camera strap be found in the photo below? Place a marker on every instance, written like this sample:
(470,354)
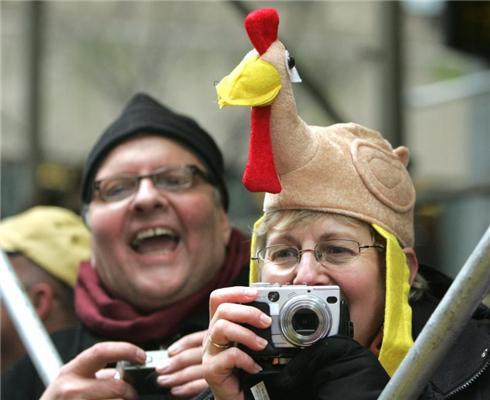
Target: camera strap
(259,391)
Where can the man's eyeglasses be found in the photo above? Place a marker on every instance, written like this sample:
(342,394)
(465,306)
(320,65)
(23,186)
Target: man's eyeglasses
(171,179)
(335,251)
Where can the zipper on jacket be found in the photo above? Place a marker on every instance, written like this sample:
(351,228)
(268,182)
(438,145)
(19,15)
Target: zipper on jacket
(472,379)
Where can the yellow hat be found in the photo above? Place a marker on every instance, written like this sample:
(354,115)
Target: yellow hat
(54,238)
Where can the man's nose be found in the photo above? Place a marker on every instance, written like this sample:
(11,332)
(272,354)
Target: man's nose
(310,272)
(147,195)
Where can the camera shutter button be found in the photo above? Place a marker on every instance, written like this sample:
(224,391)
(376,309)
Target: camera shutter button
(273,296)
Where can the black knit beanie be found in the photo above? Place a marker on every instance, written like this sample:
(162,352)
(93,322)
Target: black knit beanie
(144,114)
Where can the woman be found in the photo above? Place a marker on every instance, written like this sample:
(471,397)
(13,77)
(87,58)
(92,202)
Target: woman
(309,248)
(354,229)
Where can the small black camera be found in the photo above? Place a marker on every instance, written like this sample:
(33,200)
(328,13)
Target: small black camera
(301,316)
(143,376)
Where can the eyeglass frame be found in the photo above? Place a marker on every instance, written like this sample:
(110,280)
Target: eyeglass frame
(194,169)
(257,258)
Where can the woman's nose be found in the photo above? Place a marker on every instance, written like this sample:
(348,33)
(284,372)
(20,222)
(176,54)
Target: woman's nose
(148,196)
(310,272)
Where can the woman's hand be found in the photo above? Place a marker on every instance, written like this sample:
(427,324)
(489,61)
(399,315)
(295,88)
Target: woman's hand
(220,358)
(84,376)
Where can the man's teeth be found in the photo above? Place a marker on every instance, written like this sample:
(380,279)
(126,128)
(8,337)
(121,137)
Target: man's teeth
(153,232)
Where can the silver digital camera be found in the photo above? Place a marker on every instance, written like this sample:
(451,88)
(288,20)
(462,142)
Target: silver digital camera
(301,316)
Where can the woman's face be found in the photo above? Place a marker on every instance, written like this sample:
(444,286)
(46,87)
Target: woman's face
(361,278)
(156,247)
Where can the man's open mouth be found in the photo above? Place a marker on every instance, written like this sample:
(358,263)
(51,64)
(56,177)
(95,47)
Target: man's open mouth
(155,241)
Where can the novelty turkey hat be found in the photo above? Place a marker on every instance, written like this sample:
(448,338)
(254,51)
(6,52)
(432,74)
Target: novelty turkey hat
(345,169)
(143,114)
(54,238)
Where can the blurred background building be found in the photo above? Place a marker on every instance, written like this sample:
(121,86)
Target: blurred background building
(418,71)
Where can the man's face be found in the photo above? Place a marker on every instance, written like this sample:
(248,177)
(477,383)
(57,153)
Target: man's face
(156,247)
(361,279)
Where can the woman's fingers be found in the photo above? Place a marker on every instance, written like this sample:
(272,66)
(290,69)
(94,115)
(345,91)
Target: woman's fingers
(219,370)
(242,314)
(227,327)
(224,332)
(235,294)
(235,358)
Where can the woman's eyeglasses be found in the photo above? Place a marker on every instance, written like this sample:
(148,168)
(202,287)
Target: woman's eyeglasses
(335,251)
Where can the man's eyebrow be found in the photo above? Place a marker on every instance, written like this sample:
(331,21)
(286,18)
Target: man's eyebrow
(117,175)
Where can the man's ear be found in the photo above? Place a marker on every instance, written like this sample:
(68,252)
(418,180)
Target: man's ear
(225,226)
(42,298)
(413,264)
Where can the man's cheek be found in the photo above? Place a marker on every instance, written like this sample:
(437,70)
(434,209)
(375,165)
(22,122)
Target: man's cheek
(104,223)
(195,219)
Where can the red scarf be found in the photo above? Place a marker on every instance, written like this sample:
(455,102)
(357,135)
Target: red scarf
(115,319)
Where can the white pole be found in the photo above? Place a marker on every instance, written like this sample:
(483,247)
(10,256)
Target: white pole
(31,330)
(444,326)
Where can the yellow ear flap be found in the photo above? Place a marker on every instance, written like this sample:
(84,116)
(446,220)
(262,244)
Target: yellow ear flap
(254,275)
(397,331)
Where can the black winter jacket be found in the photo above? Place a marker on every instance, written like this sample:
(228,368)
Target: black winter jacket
(21,381)
(464,373)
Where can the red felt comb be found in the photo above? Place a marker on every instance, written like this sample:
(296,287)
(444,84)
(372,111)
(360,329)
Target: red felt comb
(260,173)
(261,26)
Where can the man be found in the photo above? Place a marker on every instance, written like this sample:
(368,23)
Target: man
(155,202)
(45,246)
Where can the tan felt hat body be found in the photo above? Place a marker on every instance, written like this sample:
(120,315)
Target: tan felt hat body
(352,170)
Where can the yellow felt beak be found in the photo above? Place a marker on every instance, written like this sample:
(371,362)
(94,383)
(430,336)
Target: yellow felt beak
(253,82)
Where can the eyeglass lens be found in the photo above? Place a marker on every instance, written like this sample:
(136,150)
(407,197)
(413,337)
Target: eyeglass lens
(336,252)
(171,179)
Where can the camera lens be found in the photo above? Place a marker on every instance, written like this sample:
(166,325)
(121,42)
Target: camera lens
(305,322)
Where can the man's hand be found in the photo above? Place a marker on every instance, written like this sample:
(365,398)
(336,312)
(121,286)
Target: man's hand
(182,373)
(84,376)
